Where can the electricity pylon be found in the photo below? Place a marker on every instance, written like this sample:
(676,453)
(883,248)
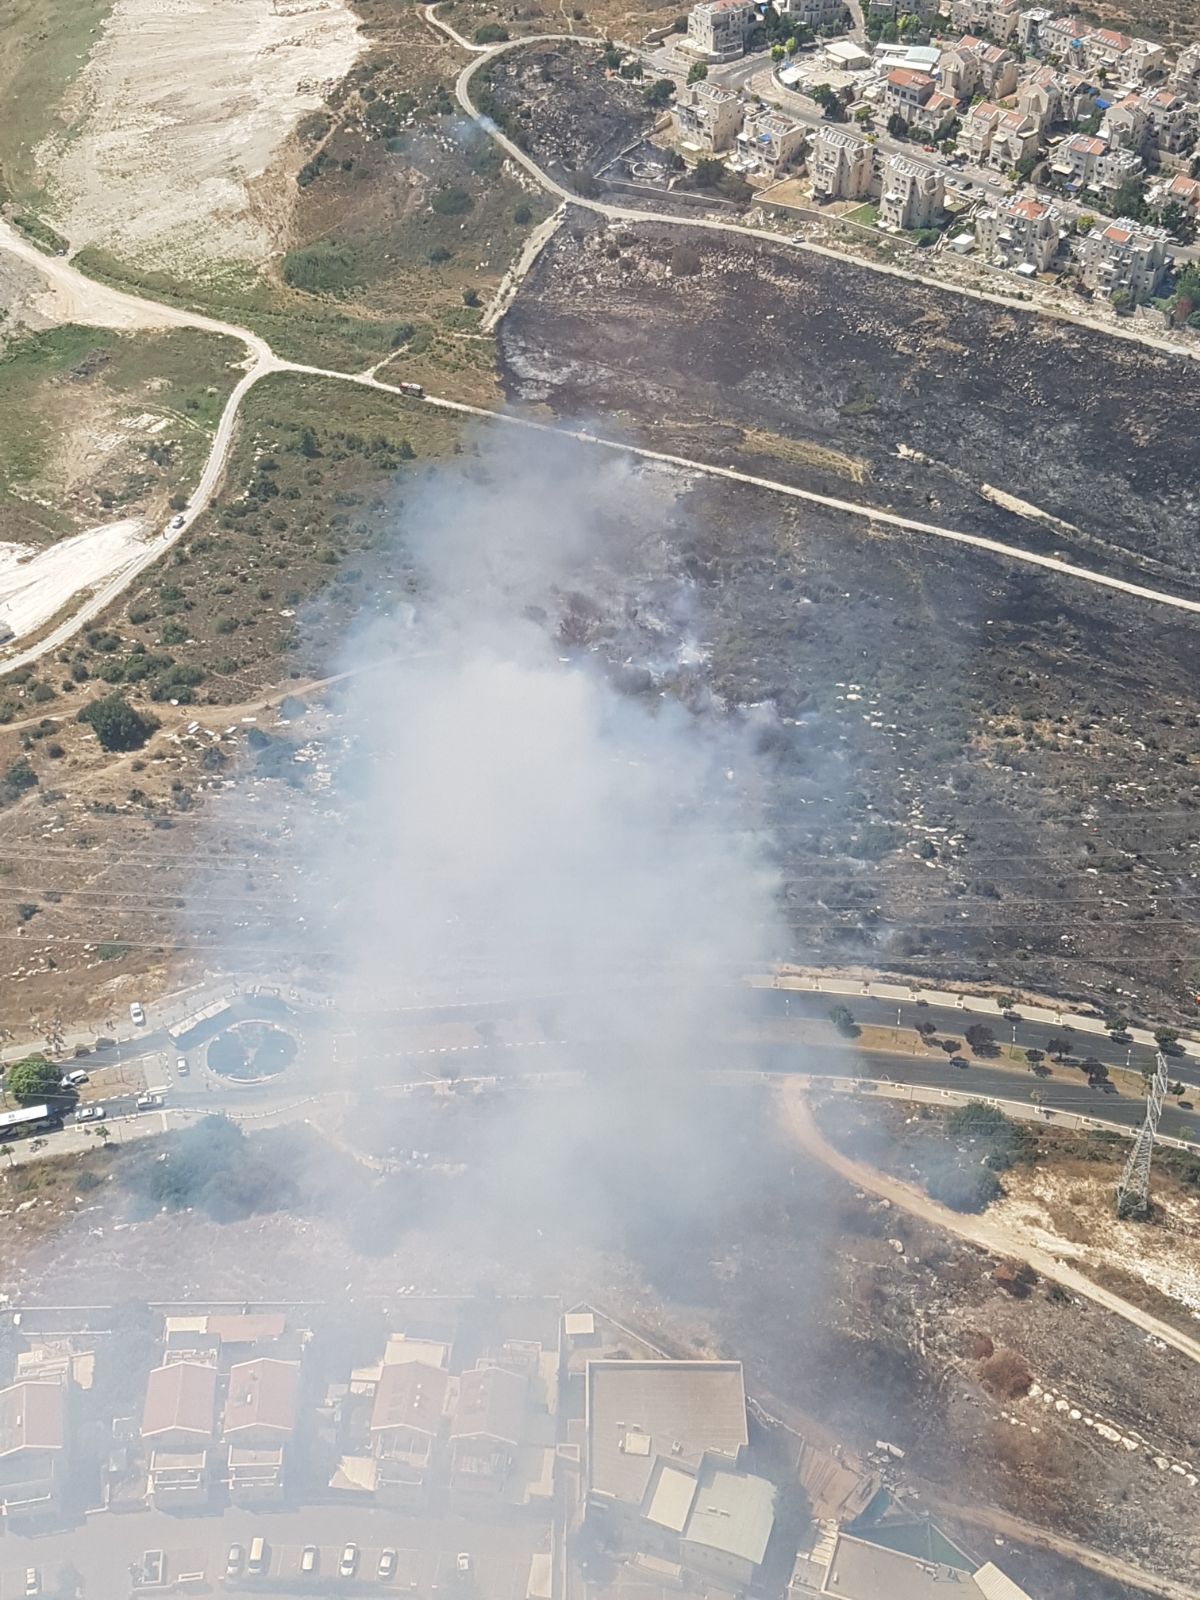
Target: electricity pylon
(1133,1191)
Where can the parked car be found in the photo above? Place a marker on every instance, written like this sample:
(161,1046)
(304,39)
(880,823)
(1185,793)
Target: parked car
(136,1015)
(149,1102)
(181,1067)
(387,1564)
(348,1565)
(235,1561)
(308,1558)
(33,1581)
(90,1114)
(152,1567)
(959,1061)
(72,1080)
(464,1561)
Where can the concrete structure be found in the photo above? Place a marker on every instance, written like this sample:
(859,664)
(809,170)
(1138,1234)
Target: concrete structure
(408,1420)
(912,195)
(846,56)
(1030,22)
(774,142)
(718,29)
(1022,234)
(486,1429)
(664,1480)
(256,1477)
(1179,190)
(1172,121)
(1145,61)
(709,118)
(1087,161)
(33,1443)
(1185,80)
(859,1570)
(842,165)
(995,17)
(1123,257)
(1126,125)
(1061,39)
(179,1480)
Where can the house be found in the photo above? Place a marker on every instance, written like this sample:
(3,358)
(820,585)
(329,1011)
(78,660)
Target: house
(975,67)
(1122,256)
(181,1406)
(1040,98)
(1179,190)
(33,1443)
(407,1421)
(1126,125)
(912,195)
(842,165)
(1020,234)
(709,119)
(1087,162)
(994,137)
(1185,80)
(486,1429)
(718,29)
(1172,122)
(816,14)
(178,1420)
(260,1411)
(995,17)
(772,140)
(665,1479)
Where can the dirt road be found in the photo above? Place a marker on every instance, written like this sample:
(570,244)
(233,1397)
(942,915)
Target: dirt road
(983,1231)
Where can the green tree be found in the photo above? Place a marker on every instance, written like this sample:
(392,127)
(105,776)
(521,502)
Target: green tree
(660,93)
(964,1188)
(117,725)
(707,173)
(33,1080)
(843,1020)
(777,52)
(491,33)
(1164,1038)
(981,1039)
(1122,300)
(697,72)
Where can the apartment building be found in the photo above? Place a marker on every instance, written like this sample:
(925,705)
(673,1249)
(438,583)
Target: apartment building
(995,17)
(1172,121)
(842,165)
(816,14)
(1088,162)
(1122,256)
(1022,235)
(708,119)
(1126,125)
(973,67)
(915,99)
(773,141)
(994,137)
(1040,98)
(1185,80)
(1179,190)
(718,29)
(912,195)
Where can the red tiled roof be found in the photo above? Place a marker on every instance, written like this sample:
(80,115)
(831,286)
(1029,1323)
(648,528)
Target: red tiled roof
(262,1394)
(1029,210)
(1111,36)
(1117,234)
(906,78)
(31,1417)
(409,1395)
(180,1398)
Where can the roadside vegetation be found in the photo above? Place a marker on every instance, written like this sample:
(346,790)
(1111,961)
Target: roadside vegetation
(98,425)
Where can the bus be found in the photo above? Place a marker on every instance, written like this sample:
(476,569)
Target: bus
(30,1119)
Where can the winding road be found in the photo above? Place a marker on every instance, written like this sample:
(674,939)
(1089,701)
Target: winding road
(82,299)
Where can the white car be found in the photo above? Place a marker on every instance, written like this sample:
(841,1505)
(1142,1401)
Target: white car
(464,1561)
(90,1114)
(348,1565)
(177,522)
(149,1102)
(181,1067)
(72,1080)
(136,1015)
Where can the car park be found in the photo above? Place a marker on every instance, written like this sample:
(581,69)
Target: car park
(387,1564)
(136,1015)
(90,1114)
(348,1565)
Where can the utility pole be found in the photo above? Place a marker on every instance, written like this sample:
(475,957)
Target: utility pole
(1133,1191)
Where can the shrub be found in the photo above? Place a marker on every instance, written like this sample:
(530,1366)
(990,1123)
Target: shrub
(321,268)
(116,724)
(964,1188)
(451,201)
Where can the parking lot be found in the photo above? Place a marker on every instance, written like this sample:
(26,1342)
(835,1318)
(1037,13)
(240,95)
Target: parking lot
(427,1550)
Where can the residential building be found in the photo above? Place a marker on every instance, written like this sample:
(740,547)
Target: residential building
(1185,80)
(181,1406)
(1029,25)
(1122,256)
(664,1473)
(718,29)
(816,13)
(1061,39)
(842,164)
(486,1429)
(1179,190)
(709,119)
(1172,121)
(1085,161)
(178,1421)
(1021,234)
(1126,125)
(856,1569)
(973,66)
(912,195)
(774,141)
(408,1419)
(260,1411)
(33,1442)
(1104,49)
(256,1477)
(905,90)
(1145,61)
(1040,98)
(994,137)
(1080,96)
(995,17)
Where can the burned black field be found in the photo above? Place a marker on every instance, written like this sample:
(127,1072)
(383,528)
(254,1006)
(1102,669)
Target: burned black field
(855,383)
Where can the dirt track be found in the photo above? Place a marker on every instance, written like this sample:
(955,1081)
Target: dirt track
(982,1231)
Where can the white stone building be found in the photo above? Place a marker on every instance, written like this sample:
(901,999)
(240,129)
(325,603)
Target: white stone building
(1121,256)
(842,164)
(707,120)
(912,195)
(718,29)
(774,142)
(1021,234)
